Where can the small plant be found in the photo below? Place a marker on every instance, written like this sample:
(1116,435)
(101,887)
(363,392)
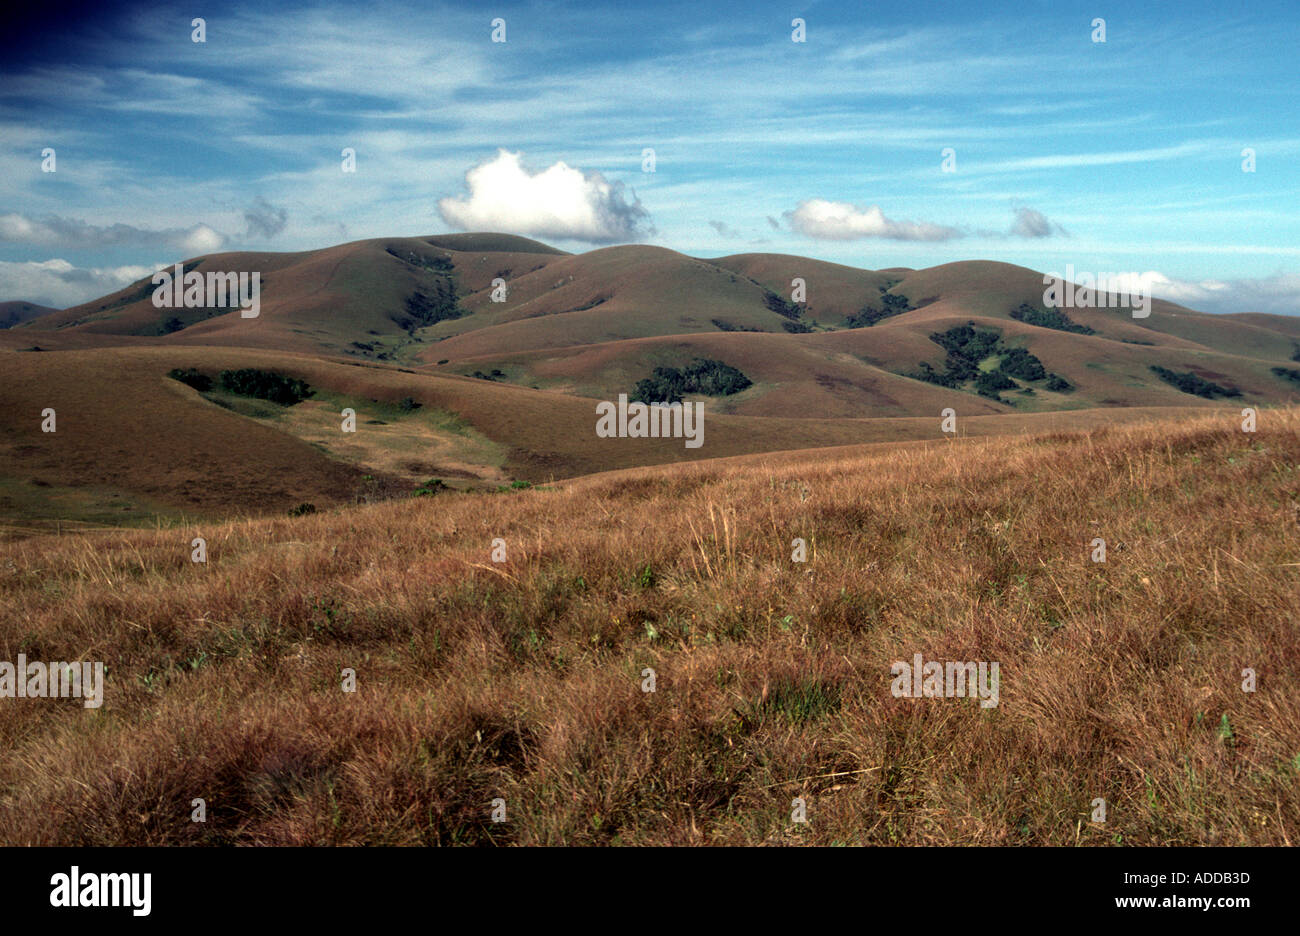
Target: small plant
(797,701)
(431,487)
(515,486)
(302,510)
(1225,729)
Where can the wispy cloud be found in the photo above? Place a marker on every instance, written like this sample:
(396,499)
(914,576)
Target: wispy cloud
(70,232)
(264,219)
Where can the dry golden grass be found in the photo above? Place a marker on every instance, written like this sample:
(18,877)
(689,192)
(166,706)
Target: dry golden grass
(522,680)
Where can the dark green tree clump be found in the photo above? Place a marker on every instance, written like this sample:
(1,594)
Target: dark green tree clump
(781,306)
(1049,318)
(723,325)
(1020,363)
(191,378)
(265,385)
(966,342)
(967,347)
(1188,382)
(890,304)
(708,377)
(990,383)
(791,311)
(1286,373)
(438,304)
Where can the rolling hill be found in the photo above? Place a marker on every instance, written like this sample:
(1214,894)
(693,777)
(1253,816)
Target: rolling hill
(478,359)
(16,313)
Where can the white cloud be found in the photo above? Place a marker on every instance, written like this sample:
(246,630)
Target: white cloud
(1278,294)
(828,220)
(71,232)
(58,283)
(559,202)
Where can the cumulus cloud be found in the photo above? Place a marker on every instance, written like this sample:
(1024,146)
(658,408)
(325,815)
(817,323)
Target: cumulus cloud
(264,219)
(559,202)
(69,232)
(1032,223)
(829,220)
(58,283)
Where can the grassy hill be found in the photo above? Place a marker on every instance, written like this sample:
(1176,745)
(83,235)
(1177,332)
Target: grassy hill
(450,384)
(132,444)
(592,323)
(524,679)
(15,313)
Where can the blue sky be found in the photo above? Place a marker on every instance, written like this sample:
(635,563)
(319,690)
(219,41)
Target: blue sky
(1122,156)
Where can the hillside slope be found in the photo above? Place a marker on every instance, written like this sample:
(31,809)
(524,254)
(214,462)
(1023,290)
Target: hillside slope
(131,442)
(525,679)
(16,313)
(594,323)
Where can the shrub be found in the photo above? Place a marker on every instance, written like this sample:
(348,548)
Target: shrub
(431,487)
(302,510)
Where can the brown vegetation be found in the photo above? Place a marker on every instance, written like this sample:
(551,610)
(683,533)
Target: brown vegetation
(522,680)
